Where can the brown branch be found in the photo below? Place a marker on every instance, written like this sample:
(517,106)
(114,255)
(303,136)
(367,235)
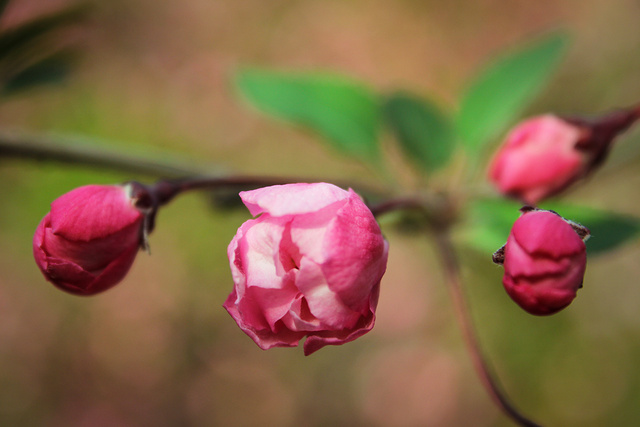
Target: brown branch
(32,147)
(439,213)
(25,146)
(480,363)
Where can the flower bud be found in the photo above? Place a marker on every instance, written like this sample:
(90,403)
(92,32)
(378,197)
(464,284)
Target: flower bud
(538,159)
(544,261)
(309,265)
(88,241)
(542,156)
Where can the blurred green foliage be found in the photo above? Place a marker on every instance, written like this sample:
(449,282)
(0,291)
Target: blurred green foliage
(424,132)
(503,89)
(346,113)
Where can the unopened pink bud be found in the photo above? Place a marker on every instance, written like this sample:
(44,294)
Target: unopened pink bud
(544,261)
(542,156)
(539,158)
(88,241)
(309,265)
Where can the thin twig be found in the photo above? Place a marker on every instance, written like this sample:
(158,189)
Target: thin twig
(440,216)
(435,207)
(182,176)
(165,190)
(480,363)
(65,150)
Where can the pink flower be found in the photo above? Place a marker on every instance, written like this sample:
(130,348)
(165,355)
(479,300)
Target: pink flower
(88,241)
(544,261)
(539,158)
(309,265)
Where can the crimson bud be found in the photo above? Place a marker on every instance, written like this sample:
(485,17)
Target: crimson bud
(88,241)
(544,261)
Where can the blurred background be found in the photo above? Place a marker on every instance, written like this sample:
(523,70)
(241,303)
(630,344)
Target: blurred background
(153,78)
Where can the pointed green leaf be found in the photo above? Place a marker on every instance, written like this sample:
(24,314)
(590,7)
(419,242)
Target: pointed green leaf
(490,221)
(425,133)
(343,111)
(500,92)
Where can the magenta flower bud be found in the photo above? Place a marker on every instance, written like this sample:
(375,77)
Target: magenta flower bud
(542,156)
(544,261)
(88,241)
(538,159)
(309,265)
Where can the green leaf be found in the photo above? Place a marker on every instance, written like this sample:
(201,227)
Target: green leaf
(50,69)
(500,92)
(425,133)
(490,221)
(343,111)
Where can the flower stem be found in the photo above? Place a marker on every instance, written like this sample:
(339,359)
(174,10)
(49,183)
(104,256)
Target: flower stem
(480,363)
(440,213)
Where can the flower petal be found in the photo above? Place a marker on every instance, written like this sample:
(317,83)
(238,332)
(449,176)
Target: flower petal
(323,302)
(546,233)
(355,253)
(292,199)
(93,212)
(318,340)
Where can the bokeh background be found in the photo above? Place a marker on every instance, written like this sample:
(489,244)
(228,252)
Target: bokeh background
(159,350)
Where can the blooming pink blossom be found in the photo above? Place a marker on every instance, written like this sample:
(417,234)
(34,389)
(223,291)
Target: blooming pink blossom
(539,158)
(309,265)
(89,239)
(544,261)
